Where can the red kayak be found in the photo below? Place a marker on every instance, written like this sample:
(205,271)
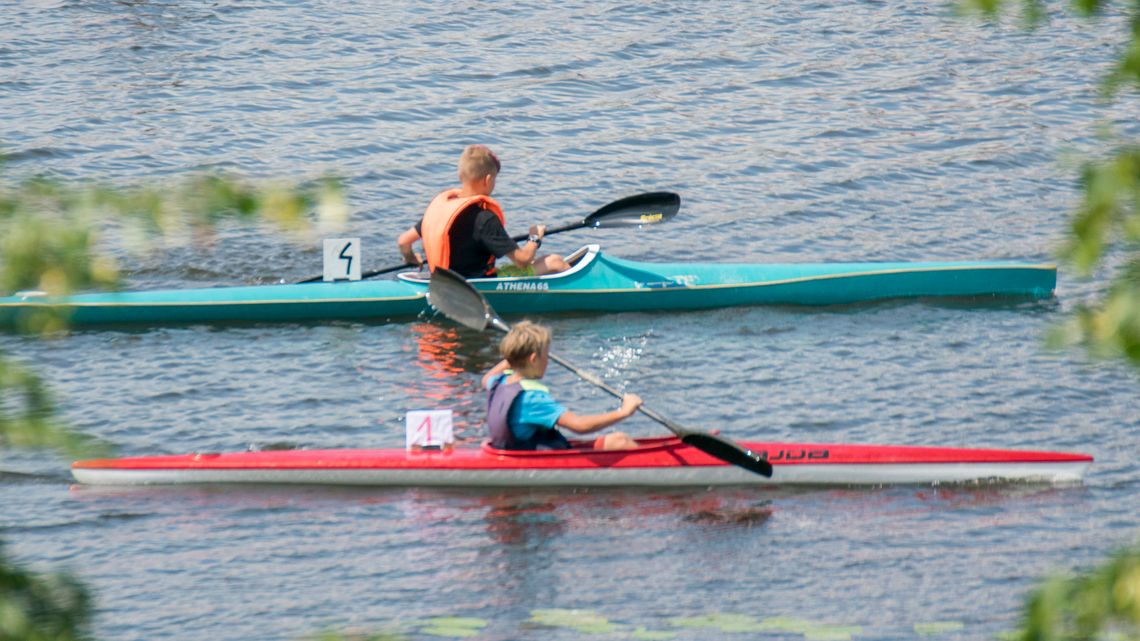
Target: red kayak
(657,462)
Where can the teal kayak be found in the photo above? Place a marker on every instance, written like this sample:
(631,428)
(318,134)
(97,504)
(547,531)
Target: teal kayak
(596,282)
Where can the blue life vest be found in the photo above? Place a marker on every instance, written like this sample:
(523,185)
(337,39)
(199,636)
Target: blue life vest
(500,398)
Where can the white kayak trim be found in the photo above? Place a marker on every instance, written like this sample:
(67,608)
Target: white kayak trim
(1061,472)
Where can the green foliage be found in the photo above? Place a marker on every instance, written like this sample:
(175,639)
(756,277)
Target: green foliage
(1127,69)
(52,607)
(58,239)
(936,628)
(1102,603)
(1033,10)
(1107,221)
(453,627)
(1125,72)
(27,419)
(1104,232)
(1108,209)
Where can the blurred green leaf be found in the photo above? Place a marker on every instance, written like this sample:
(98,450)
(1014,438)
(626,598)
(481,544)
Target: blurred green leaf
(52,607)
(1103,236)
(57,239)
(1103,600)
(27,415)
(644,634)
(1032,12)
(1104,231)
(935,628)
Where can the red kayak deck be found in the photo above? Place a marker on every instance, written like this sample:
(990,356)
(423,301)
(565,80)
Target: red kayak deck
(659,461)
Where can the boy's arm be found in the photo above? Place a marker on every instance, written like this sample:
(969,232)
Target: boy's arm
(585,424)
(405,242)
(523,256)
(497,241)
(499,368)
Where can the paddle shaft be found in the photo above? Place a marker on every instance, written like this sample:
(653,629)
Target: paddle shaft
(394,268)
(711,444)
(589,377)
(377,272)
(664,205)
(557,230)
(592,378)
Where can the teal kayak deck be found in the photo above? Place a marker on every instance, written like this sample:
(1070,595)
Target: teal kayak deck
(599,282)
(380,300)
(596,282)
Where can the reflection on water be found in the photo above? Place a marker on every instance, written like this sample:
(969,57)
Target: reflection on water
(438,355)
(522,523)
(526,548)
(450,361)
(747,517)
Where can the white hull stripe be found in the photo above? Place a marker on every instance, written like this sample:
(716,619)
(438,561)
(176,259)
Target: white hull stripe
(833,474)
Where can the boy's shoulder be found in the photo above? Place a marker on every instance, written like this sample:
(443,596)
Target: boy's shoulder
(527,384)
(483,216)
(531,385)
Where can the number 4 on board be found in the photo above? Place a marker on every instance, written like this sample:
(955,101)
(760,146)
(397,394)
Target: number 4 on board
(342,259)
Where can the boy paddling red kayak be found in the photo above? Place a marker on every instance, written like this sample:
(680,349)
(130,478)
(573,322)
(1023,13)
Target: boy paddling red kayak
(522,415)
(451,294)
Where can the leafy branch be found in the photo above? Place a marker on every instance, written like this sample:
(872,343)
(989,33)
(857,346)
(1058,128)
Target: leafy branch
(59,238)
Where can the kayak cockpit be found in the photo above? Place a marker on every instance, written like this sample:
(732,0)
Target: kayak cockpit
(580,448)
(579,261)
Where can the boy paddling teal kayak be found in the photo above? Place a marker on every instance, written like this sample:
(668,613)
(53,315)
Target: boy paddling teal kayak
(464,229)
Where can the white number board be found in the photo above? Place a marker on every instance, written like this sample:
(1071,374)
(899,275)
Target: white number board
(342,259)
(429,429)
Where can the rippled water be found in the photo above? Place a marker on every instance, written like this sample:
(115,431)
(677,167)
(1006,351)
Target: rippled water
(805,132)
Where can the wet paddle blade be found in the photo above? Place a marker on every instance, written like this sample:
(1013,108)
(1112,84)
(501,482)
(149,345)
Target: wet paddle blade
(728,452)
(635,211)
(454,297)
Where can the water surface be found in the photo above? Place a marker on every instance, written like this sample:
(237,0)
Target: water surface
(804,132)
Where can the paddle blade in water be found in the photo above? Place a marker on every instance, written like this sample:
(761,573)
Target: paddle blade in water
(642,209)
(457,299)
(728,452)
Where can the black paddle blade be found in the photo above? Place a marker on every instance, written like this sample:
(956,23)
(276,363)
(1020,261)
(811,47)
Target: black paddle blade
(631,211)
(728,452)
(457,299)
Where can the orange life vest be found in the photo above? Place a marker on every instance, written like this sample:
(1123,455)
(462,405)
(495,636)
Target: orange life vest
(439,218)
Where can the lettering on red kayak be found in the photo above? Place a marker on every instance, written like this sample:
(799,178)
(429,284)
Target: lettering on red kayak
(522,286)
(795,455)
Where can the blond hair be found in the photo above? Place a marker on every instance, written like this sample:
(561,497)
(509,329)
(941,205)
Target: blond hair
(476,162)
(524,339)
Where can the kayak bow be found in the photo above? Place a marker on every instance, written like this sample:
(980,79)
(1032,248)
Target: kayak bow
(657,462)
